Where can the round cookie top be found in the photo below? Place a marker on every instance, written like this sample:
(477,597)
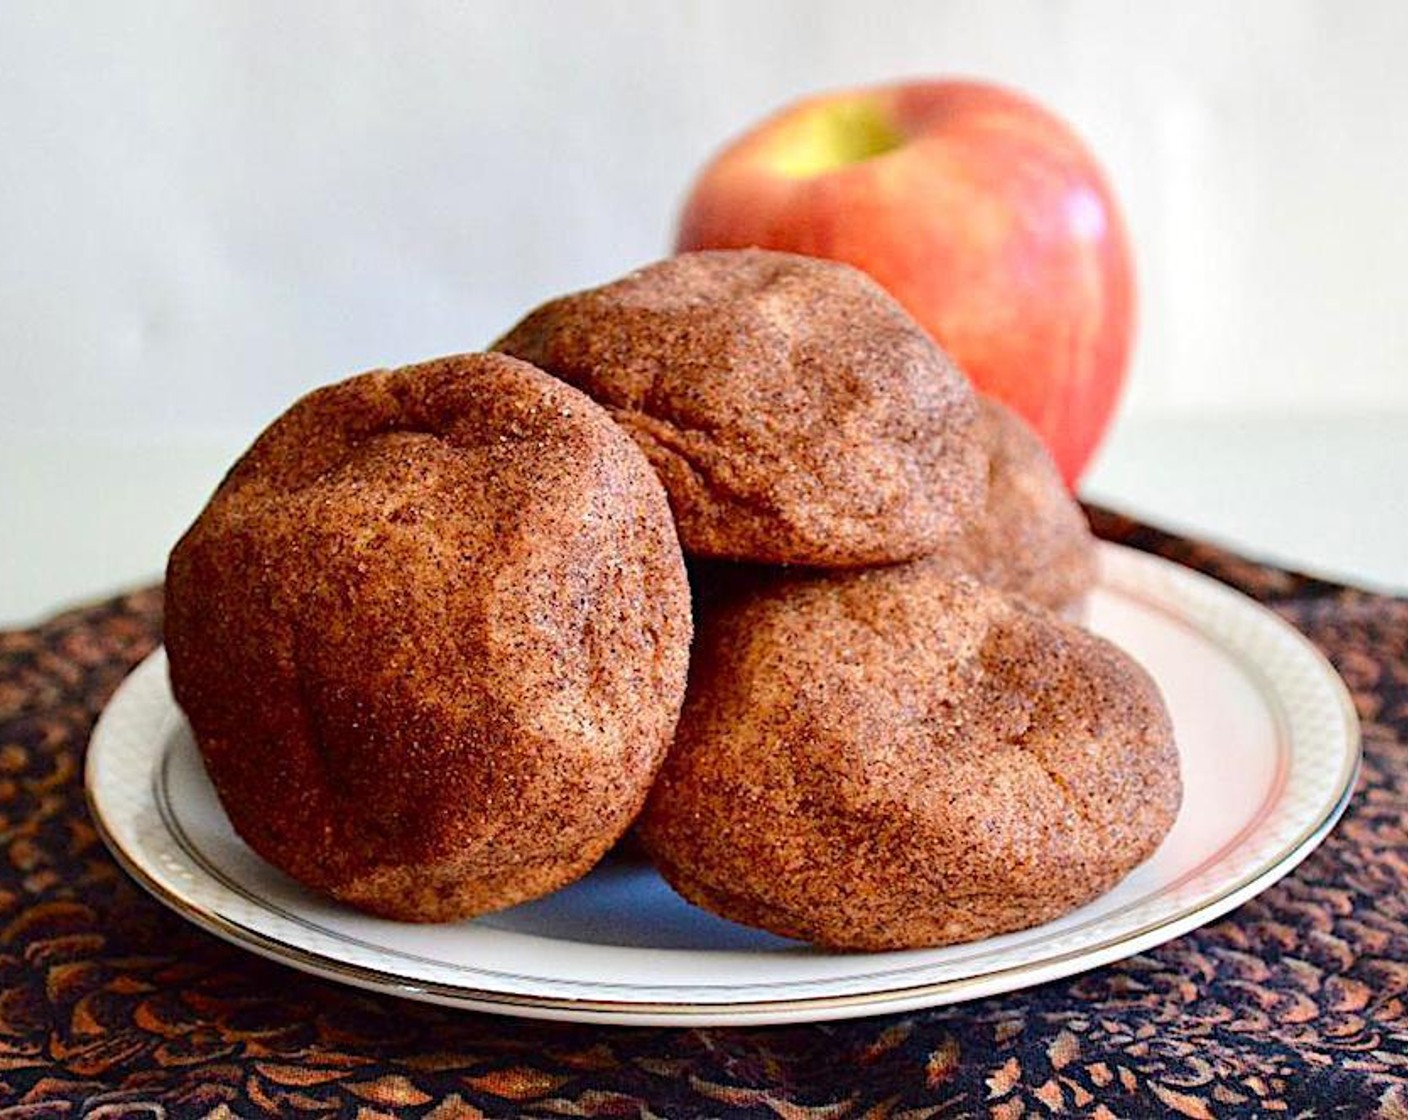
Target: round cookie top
(794,411)
(1030,537)
(884,760)
(431,633)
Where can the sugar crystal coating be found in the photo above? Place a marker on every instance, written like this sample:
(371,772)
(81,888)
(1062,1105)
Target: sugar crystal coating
(431,634)
(795,413)
(887,760)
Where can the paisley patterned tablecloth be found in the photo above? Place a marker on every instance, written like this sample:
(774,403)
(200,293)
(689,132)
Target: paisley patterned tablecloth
(1294,1005)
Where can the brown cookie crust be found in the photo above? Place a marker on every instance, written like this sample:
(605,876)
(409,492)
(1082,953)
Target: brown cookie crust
(794,411)
(431,633)
(885,760)
(1031,537)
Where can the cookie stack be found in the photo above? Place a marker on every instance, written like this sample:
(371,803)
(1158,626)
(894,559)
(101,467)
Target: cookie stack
(432,631)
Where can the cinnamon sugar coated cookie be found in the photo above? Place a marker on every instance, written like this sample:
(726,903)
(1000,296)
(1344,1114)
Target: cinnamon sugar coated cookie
(431,634)
(887,760)
(1030,536)
(795,413)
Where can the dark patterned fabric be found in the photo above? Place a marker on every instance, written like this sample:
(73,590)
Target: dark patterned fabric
(1294,1005)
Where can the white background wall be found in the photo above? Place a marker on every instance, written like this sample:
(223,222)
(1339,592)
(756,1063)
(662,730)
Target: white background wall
(208,207)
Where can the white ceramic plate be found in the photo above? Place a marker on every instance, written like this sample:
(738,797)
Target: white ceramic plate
(1269,746)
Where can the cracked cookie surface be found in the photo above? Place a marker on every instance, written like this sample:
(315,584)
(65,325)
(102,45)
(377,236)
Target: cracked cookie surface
(795,413)
(431,634)
(885,760)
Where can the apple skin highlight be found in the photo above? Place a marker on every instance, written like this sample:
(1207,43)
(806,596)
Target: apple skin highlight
(979,210)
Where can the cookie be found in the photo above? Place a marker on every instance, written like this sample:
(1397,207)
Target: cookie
(1030,537)
(431,634)
(887,760)
(795,413)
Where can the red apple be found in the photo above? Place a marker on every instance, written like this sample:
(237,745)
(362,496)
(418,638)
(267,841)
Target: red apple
(981,212)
